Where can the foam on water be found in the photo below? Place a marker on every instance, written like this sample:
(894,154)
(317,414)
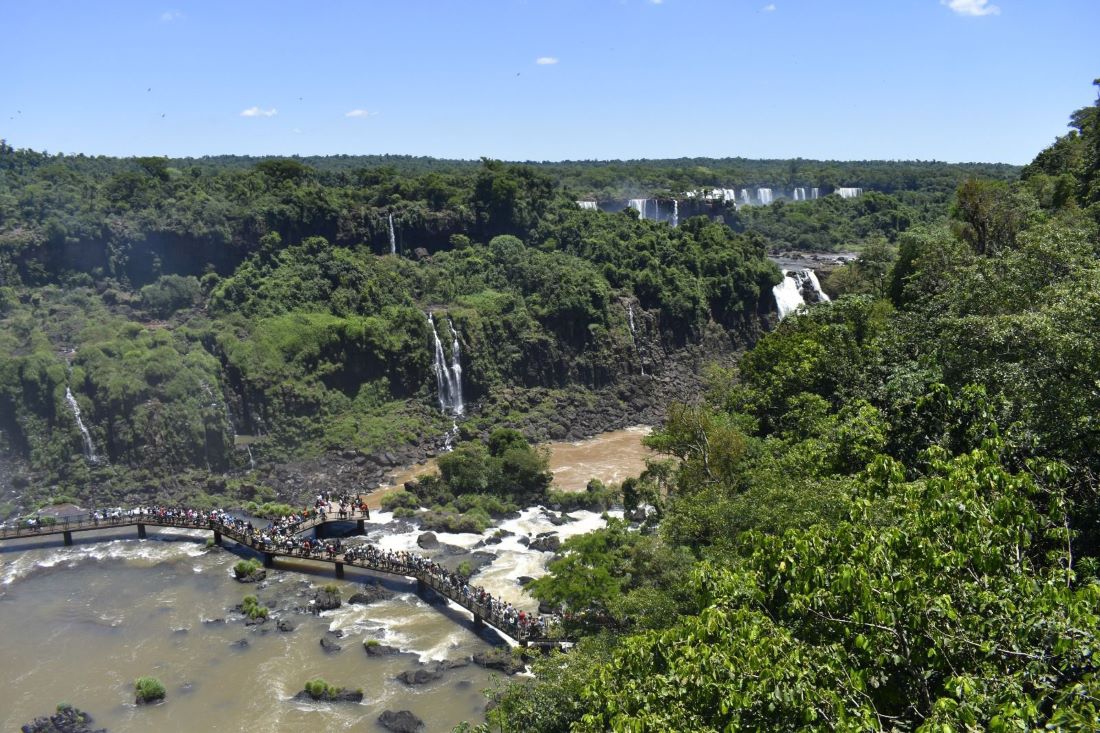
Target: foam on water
(138,553)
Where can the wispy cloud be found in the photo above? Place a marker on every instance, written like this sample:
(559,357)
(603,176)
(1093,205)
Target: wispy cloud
(169,15)
(972,7)
(769,8)
(546,61)
(257,112)
(357,113)
(657,2)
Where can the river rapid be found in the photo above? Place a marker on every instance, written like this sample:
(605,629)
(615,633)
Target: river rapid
(79,624)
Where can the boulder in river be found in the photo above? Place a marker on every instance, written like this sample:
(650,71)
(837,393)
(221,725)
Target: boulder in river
(330,695)
(371,593)
(326,599)
(375,648)
(67,719)
(499,660)
(402,721)
(329,644)
(427,541)
(546,542)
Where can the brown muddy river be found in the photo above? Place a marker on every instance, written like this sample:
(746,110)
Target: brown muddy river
(79,624)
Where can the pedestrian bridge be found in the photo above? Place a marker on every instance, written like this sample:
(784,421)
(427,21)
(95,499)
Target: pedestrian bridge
(524,635)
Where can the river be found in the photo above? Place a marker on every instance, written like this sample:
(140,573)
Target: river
(81,623)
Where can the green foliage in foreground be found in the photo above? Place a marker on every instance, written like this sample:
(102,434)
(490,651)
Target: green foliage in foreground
(319,689)
(148,689)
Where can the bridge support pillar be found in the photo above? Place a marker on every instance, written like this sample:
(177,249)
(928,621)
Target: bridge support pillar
(141,531)
(217,538)
(68,538)
(421,586)
(339,570)
(360,527)
(479,622)
(269,559)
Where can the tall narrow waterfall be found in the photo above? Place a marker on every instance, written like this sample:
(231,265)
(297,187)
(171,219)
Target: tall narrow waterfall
(639,206)
(448,378)
(764,195)
(251,460)
(814,193)
(588,205)
(849,193)
(675,213)
(800,194)
(745,196)
(85,436)
(393,237)
(798,288)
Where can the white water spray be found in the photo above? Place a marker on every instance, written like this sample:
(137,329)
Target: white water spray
(745,197)
(675,213)
(393,237)
(448,378)
(764,196)
(588,205)
(799,287)
(85,436)
(849,193)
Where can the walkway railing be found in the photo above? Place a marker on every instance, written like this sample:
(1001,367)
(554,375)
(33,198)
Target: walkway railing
(483,613)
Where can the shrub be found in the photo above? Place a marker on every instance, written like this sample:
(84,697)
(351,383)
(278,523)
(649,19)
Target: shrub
(318,689)
(331,588)
(148,689)
(372,643)
(252,608)
(400,500)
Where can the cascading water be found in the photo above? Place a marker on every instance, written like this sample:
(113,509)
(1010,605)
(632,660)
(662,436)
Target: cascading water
(251,460)
(393,237)
(588,205)
(639,206)
(800,194)
(745,197)
(448,378)
(799,287)
(814,192)
(85,436)
(849,193)
(675,213)
(764,196)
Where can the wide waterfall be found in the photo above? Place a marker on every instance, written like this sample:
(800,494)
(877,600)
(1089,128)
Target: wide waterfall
(639,206)
(85,436)
(814,193)
(799,287)
(588,205)
(675,213)
(393,237)
(800,194)
(764,196)
(849,193)
(448,378)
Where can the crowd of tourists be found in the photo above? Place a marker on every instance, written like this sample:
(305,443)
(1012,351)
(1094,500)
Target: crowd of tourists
(284,536)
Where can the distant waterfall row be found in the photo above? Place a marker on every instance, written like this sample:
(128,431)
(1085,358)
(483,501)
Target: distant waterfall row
(799,288)
(651,209)
(448,377)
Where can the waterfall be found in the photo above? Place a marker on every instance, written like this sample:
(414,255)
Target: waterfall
(393,237)
(85,436)
(639,206)
(448,379)
(800,194)
(675,213)
(849,193)
(588,205)
(798,288)
(814,193)
(224,408)
(764,195)
(745,197)
(656,209)
(251,460)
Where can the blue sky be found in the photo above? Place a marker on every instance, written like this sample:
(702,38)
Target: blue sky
(956,80)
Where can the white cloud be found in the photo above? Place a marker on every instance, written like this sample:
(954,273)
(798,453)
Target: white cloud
(257,112)
(546,61)
(656,2)
(169,15)
(357,113)
(972,7)
(769,8)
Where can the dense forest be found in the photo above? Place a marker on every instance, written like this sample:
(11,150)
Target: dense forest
(888,510)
